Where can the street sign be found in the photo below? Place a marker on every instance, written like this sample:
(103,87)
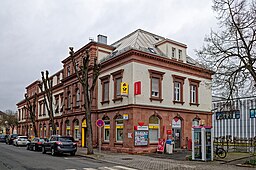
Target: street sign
(100,123)
(125,116)
(124,89)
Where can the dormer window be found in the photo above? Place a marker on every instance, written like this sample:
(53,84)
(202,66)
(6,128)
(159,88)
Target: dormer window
(180,54)
(151,50)
(173,52)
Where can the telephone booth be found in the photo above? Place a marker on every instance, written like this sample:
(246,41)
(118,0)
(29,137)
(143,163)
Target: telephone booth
(202,143)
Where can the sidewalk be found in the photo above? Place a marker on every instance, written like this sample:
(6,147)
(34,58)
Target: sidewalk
(156,161)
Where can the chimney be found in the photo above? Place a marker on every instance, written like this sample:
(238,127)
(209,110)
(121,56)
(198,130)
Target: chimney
(102,39)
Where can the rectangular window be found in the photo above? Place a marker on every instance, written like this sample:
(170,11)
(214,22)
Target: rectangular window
(193,94)
(68,71)
(106,130)
(153,135)
(194,86)
(177,88)
(117,78)
(252,113)
(156,78)
(173,52)
(180,54)
(119,130)
(105,89)
(155,87)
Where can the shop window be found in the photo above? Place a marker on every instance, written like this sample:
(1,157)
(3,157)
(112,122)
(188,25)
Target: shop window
(76,130)
(156,78)
(119,129)
(105,89)
(178,82)
(67,127)
(154,129)
(117,78)
(106,128)
(77,97)
(194,85)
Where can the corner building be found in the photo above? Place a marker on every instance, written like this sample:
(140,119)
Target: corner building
(167,90)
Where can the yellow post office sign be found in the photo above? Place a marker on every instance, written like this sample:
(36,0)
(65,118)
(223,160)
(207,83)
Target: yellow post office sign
(124,89)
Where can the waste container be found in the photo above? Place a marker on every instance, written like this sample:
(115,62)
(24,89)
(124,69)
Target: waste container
(169,146)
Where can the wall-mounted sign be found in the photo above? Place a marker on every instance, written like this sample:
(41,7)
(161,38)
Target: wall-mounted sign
(141,138)
(125,116)
(130,135)
(137,88)
(124,89)
(140,127)
(84,123)
(176,123)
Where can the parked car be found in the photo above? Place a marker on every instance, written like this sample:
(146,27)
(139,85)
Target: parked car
(20,141)
(35,144)
(10,138)
(3,138)
(60,144)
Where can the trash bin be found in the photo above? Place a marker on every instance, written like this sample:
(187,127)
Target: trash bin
(169,146)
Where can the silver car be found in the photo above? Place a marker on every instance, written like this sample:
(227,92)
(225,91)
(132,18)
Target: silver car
(20,141)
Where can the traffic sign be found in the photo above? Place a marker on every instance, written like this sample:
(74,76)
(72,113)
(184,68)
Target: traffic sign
(100,123)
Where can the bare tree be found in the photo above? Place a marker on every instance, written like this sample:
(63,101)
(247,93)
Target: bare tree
(31,107)
(46,88)
(230,52)
(10,119)
(88,81)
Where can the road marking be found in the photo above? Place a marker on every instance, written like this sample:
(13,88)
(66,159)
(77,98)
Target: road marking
(70,169)
(89,169)
(123,167)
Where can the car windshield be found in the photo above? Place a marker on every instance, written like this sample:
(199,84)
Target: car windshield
(41,140)
(66,139)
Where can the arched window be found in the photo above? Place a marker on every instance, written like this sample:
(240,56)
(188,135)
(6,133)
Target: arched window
(45,130)
(67,124)
(76,130)
(195,121)
(77,97)
(119,128)
(106,128)
(154,129)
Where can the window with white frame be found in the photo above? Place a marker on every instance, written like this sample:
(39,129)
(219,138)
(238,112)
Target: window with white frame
(154,129)
(193,93)
(180,54)
(106,129)
(76,130)
(194,86)
(155,87)
(177,89)
(173,52)
(119,128)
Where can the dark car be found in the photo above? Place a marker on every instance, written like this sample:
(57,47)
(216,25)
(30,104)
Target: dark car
(3,138)
(10,138)
(60,144)
(35,144)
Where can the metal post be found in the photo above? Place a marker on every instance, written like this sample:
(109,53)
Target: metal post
(100,139)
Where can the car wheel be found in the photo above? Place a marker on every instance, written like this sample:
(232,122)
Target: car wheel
(53,152)
(72,153)
(43,150)
(34,148)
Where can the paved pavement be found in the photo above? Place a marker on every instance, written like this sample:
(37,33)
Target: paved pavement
(177,160)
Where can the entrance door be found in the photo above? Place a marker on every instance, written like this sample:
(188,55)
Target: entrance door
(176,137)
(176,129)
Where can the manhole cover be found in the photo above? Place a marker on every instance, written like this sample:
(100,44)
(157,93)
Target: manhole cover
(126,158)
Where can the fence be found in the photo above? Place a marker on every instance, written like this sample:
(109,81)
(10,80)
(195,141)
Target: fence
(235,144)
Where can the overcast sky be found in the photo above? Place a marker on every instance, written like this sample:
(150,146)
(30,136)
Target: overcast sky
(35,34)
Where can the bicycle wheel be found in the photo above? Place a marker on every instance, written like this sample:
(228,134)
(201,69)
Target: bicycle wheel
(221,153)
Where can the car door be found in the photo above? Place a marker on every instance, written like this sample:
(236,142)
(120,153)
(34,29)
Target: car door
(47,144)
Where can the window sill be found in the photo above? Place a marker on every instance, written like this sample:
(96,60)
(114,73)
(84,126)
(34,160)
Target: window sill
(156,99)
(179,102)
(195,104)
(104,102)
(117,99)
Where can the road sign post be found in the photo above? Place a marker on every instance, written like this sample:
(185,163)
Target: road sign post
(100,124)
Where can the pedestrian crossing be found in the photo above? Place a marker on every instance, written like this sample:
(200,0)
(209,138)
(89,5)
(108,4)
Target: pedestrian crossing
(107,168)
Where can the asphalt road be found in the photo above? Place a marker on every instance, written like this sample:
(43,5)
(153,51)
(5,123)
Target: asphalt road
(18,158)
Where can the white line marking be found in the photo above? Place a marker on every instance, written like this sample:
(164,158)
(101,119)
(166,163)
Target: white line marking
(89,169)
(123,167)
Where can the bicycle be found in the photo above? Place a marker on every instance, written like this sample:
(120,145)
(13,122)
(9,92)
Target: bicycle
(220,152)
